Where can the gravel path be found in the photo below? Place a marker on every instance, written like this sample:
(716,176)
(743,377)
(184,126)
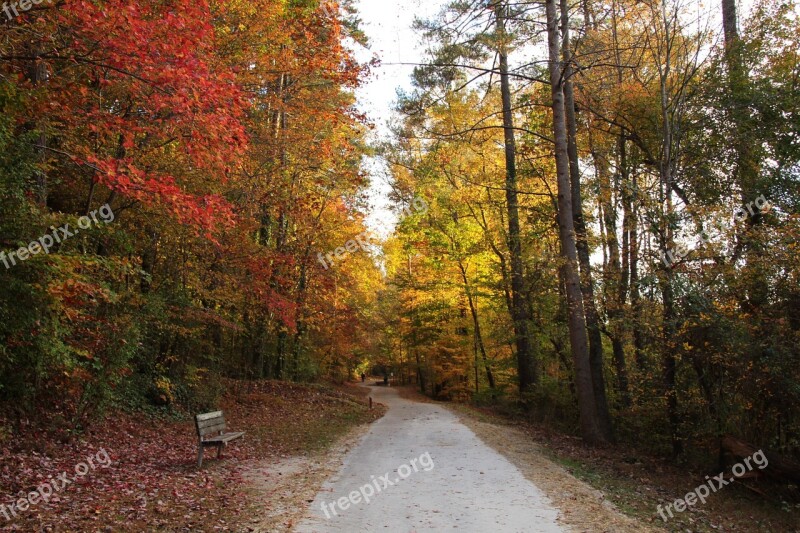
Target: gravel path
(460,485)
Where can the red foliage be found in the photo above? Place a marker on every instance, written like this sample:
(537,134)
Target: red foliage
(155,101)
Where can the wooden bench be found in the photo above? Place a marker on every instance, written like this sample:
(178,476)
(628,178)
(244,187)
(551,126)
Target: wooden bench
(211,432)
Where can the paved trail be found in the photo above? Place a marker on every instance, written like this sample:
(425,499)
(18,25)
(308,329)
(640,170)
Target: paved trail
(470,488)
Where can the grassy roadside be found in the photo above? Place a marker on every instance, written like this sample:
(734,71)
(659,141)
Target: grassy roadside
(636,483)
(292,418)
(152,482)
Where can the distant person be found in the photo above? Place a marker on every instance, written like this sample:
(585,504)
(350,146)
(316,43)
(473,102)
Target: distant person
(386,379)
(363,377)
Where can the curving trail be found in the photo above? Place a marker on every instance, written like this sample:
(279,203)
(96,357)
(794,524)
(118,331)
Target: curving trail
(469,487)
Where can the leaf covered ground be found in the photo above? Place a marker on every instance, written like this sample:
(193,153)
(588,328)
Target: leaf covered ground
(152,482)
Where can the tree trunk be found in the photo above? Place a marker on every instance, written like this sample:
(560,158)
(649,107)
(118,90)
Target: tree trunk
(590,429)
(615,278)
(670,367)
(300,330)
(779,467)
(747,168)
(526,363)
(477,328)
(587,283)
(629,203)
(37,75)
(630,249)
(666,172)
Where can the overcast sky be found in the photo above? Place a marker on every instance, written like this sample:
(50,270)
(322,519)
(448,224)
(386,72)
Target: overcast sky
(387,23)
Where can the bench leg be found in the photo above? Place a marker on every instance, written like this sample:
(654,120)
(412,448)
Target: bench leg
(200,456)
(219,449)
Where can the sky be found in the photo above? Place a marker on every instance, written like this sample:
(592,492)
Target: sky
(388,23)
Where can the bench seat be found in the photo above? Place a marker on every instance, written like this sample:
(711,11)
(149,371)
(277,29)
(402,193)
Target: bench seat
(227,437)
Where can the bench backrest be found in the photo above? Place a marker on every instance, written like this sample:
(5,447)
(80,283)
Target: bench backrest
(209,424)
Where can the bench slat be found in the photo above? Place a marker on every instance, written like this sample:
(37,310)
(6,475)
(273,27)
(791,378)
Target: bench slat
(211,422)
(219,428)
(232,436)
(206,416)
(227,437)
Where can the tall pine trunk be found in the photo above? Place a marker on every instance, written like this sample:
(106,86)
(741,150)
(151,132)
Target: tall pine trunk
(526,362)
(587,283)
(666,170)
(590,427)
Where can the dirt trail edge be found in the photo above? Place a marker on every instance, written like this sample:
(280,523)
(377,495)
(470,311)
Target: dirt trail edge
(286,487)
(459,483)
